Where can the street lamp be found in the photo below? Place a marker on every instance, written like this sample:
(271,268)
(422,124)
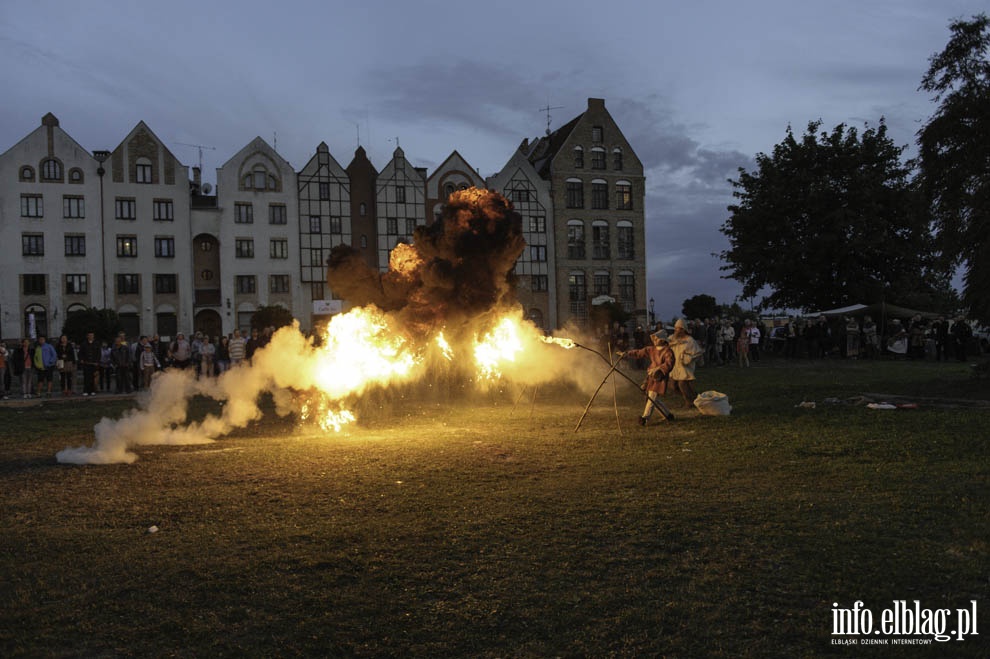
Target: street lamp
(653,316)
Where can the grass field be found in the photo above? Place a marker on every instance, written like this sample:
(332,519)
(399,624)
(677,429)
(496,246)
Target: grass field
(493,529)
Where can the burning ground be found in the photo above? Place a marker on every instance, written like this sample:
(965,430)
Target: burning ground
(444,311)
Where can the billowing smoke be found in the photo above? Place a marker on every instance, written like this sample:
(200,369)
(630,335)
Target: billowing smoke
(451,292)
(457,269)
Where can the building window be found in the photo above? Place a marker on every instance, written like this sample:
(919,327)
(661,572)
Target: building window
(598,158)
(314,224)
(76,284)
(577,293)
(578,157)
(539,283)
(364,241)
(400,195)
(163,210)
(623,194)
(448,190)
(627,290)
(278,283)
(324,191)
(596,134)
(602,283)
(75,175)
(243,213)
(127,246)
(624,238)
(362,209)
(315,257)
(617,159)
(165,247)
(336,225)
(538,253)
(125,209)
(575,193)
(259,178)
(519,195)
(276,214)
(51,170)
(73,208)
(244,248)
(246,284)
(27,174)
(142,171)
(33,284)
(206,275)
(75,245)
(600,248)
(165,284)
(391,226)
(128,284)
(278,248)
(32,205)
(537,224)
(575,239)
(410,226)
(599,195)
(32,244)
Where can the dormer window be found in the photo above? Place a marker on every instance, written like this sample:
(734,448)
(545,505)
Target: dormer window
(51,170)
(142,171)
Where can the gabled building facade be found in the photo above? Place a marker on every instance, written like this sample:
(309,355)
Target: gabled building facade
(598,191)
(400,205)
(454,173)
(536,275)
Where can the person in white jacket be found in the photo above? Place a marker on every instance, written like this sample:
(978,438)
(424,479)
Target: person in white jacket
(686,353)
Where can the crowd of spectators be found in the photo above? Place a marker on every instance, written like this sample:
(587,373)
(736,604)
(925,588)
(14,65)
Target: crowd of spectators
(39,367)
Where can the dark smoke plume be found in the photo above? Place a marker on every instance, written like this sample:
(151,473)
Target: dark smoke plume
(457,269)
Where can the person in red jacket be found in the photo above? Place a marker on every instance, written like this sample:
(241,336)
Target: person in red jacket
(657,372)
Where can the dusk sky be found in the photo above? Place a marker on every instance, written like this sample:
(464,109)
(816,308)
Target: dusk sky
(697,88)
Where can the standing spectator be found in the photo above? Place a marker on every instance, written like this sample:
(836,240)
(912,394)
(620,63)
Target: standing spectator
(754,340)
(686,355)
(66,359)
(868,338)
(961,334)
(223,355)
(728,335)
(23,363)
(207,355)
(238,349)
(742,343)
(712,343)
(89,358)
(181,351)
(916,338)
(121,358)
(106,367)
(195,351)
(44,360)
(852,338)
(254,343)
(149,364)
(940,330)
(4,370)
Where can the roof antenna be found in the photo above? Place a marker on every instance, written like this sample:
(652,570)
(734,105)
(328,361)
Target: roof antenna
(547,110)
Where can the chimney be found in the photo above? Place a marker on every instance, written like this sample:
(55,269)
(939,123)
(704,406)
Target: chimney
(596,103)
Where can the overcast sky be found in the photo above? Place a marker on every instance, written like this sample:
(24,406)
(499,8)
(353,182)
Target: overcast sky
(697,88)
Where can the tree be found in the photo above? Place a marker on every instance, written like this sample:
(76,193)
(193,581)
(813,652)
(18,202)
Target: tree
(699,306)
(954,156)
(829,220)
(104,323)
(273,316)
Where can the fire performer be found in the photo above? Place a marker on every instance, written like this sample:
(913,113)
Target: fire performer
(686,355)
(657,373)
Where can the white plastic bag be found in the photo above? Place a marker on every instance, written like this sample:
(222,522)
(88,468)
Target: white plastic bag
(713,403)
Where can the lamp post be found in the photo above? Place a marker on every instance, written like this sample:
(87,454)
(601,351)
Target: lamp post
(653,316)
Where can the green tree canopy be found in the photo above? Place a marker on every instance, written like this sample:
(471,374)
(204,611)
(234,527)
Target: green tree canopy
(104,323)
(272,316)
(828,220)
(954,156)
(699,306)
